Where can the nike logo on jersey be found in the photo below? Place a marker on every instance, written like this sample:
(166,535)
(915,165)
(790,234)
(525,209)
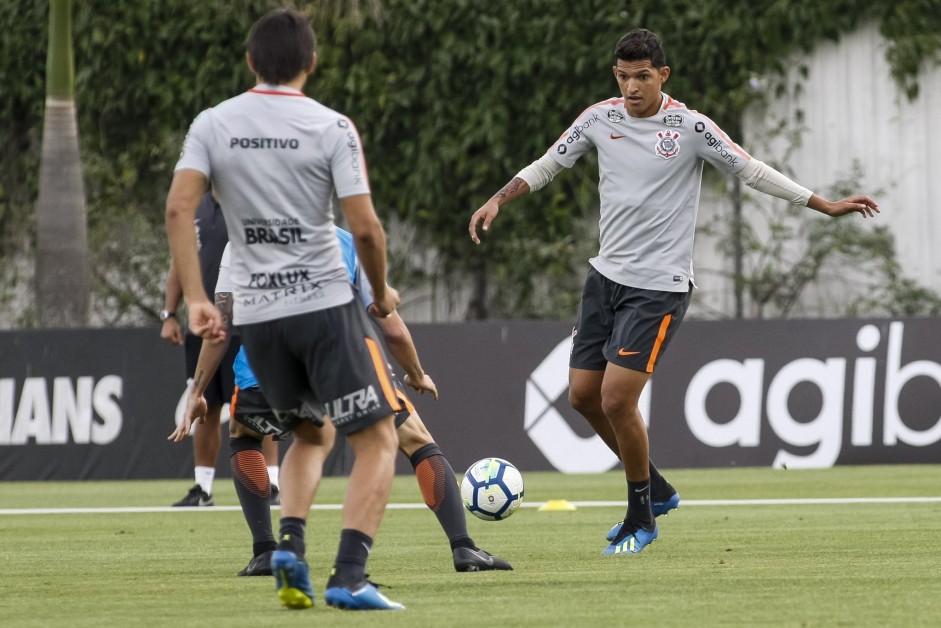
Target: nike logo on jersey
(616,137)
(623,352)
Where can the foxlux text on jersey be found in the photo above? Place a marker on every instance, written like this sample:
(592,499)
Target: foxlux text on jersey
(280,279)
(264,142)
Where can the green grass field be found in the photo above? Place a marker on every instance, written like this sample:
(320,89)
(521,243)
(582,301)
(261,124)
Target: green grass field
(823,563)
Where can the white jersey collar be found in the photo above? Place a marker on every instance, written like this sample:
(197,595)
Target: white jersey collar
(265,88)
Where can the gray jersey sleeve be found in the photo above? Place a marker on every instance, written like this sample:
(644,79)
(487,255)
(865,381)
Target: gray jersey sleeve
(195,154)
(347,162)
(715,147)
(577,140)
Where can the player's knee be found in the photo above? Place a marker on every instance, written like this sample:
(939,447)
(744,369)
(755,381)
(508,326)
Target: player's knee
(412,436)
(617,406)
(312,435)
(582,400)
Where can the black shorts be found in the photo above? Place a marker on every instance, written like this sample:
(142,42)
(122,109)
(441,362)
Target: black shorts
(329,358)
(222,384)
(630,327)
(250,408)
(407,408)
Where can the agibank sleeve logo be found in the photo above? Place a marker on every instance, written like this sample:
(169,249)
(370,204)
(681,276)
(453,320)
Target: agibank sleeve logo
(576,132)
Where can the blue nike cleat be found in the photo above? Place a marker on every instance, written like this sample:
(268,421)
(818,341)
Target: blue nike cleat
(292,580)
(632,543)
(365,598)
(658,509)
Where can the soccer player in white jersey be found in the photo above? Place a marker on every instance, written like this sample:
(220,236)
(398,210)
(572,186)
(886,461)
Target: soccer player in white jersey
(651,149)
(276,158)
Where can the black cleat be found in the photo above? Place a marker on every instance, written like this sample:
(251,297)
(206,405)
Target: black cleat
(196,497)
(466,559)
(259,565)
(275,498)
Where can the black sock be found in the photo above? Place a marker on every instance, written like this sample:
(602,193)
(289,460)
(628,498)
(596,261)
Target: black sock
(441,494)
(250,476)
(660,489)
(638,514)
(292,535)
(350,567)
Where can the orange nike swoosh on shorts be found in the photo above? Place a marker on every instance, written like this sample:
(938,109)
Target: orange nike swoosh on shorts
(623,352)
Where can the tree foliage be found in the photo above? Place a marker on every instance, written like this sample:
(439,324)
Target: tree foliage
(451,98)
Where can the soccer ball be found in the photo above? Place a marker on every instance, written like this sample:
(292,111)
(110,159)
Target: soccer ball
(492,489)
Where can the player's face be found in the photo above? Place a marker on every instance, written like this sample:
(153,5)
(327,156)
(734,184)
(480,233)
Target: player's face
(640,85)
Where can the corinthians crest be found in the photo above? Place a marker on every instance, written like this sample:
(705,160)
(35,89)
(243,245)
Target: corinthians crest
(668,145)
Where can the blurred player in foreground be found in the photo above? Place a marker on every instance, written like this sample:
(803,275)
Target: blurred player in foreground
(278,160)
(253,419)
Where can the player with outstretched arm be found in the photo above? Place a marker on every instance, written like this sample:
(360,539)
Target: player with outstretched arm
(651,150)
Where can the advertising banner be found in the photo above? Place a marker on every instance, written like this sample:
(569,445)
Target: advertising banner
(99,404)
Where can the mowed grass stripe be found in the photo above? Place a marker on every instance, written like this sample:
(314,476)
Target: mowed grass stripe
(537,505)
(860,562)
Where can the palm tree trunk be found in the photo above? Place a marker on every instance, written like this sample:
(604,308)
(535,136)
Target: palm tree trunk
(62,239)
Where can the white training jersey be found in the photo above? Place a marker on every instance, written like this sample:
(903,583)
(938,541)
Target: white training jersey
(650,172)
(355,273)
(277,159)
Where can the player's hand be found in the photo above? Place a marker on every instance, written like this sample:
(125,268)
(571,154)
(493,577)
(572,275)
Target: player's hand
(859,204)
(423,384)
(171,331)
(486,214)
(195,412)
(385,305)
(206,321)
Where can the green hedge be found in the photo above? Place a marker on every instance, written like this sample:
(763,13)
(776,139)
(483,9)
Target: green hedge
(452,97)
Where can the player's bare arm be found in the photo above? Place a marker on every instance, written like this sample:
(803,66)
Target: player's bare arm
(170,329)
(211,355)
(758,175)
(369,238)
(533,177)
(399,341)
(186,192)
(514,189)
(851,204)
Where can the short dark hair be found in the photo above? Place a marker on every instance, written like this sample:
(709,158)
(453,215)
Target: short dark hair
(639,45)
(281,45)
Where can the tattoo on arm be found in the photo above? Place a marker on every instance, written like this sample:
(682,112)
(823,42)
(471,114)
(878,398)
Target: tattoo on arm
(198,378)
(510,188)
(224,303)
